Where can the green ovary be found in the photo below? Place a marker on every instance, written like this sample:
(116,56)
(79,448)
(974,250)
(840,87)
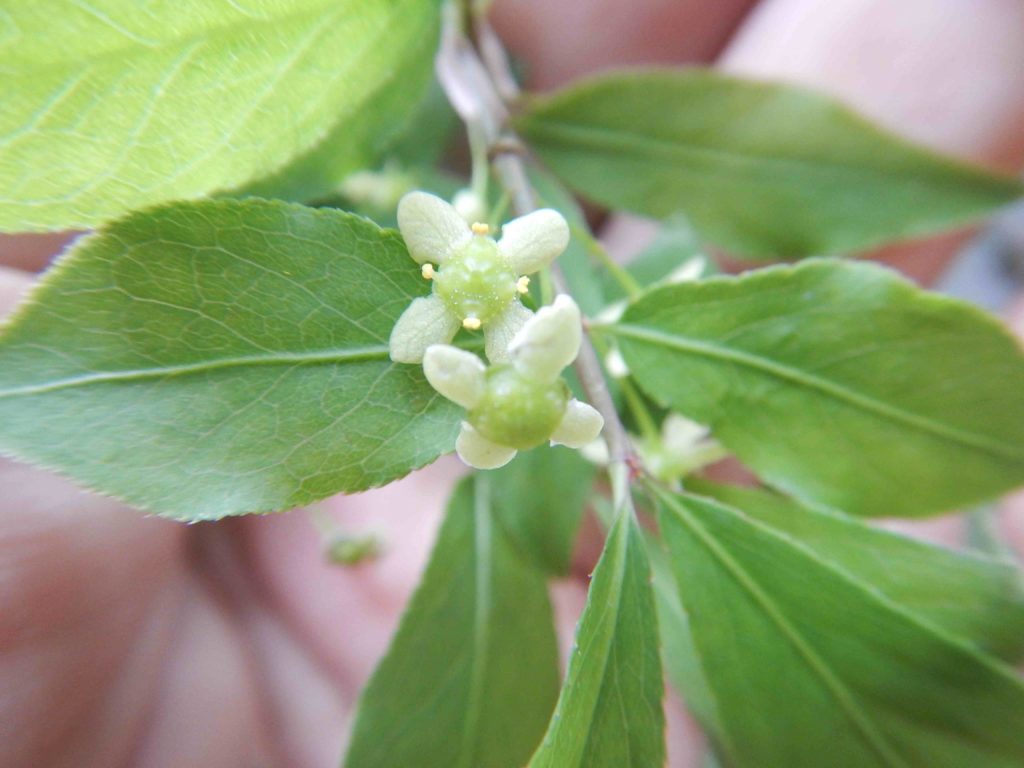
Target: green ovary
(516,411)
(476,281)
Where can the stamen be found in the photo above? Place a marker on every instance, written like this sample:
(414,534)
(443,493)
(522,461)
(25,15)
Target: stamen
(523,284)
(471,323)
(427,271)
(480,228)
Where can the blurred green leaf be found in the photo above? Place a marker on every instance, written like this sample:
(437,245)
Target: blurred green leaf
(840,383)
(609,714)
(581,273)
(978,598)
(107,108)
(539,500)
(471,676)
(215,358)
(761,169)
(811,666)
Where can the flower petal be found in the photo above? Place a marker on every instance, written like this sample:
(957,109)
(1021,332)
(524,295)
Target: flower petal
(580,425)
(477,451)
(498,333)
(426,321)
(455,373)
(535,240)
(549,341)
(431,227)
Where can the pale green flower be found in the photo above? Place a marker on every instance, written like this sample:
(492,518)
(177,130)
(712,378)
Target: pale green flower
(476,281)
(522,403)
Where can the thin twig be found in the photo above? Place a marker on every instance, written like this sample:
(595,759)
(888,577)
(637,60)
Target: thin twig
(475,89)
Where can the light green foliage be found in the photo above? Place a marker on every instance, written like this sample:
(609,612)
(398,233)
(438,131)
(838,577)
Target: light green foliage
(609,714)
(811,666)
(472,675)
(215,358)
(840,383)
(379,126)
(108,107)
(761,169)
(675,248)
(978,598)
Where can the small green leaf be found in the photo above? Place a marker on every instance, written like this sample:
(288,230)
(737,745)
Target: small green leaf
(107,108)
(215,358)
(539,500)
(609,714)
(761,169)
(471,676)
(810,666)
(978,598)
(840,383)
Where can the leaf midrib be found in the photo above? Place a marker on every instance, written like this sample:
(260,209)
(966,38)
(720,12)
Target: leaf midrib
(821,385)
(323,357)
(623,142)
(833,683)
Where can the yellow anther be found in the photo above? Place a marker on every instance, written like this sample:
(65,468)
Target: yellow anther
(479,228)
(523,284)
(427,271)
(471,323)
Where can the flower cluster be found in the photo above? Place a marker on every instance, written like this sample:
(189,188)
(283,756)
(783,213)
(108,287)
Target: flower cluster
(520,400)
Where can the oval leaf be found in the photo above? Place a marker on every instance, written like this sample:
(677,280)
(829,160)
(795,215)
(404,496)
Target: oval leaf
(107,109)
(471,676)
(761,169)
(840,383)
(217,358)
(609,714)
(811,666)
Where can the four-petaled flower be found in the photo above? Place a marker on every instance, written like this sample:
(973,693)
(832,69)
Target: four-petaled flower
(477,281)
(519,404)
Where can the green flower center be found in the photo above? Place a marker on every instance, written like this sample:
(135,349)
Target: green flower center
(476,281)
(517,411)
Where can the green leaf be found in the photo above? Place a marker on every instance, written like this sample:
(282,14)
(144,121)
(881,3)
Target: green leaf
(364,137)
(840,383)
(107,109)
(580,271)
(811,666)
(215,358)
(609,713)
(679,655)
(761,169)
(978,598)
(471,676)
(539,500)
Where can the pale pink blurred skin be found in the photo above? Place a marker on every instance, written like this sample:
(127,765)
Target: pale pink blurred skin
(134,641)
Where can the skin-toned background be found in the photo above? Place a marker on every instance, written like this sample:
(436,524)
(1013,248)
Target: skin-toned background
(133,641)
